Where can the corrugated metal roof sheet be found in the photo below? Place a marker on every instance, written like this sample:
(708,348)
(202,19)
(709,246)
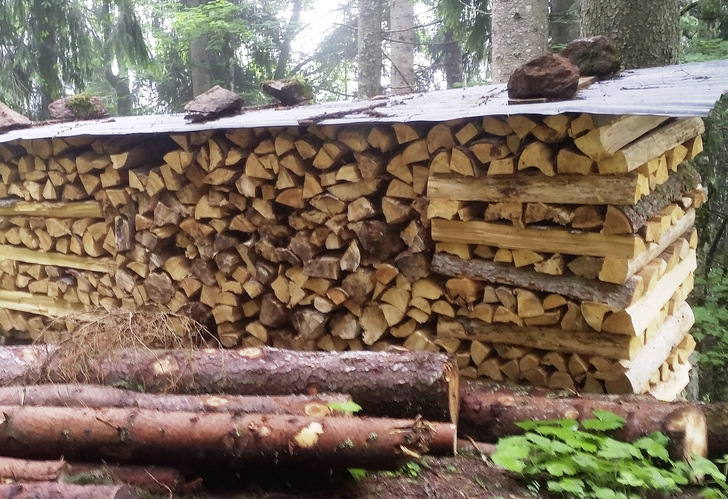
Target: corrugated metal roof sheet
(682,90)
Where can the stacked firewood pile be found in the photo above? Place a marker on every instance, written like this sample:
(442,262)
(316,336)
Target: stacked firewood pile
(321,237)
(208,410)
(572,244)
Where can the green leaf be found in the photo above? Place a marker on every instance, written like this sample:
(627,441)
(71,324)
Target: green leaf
(572,486)
(561,467)
(605,493)
(509,462)
(653,448)
(614,449)
(357,473)
(626,477)
(576,439)
(605,421)
(349,406)
(702,467)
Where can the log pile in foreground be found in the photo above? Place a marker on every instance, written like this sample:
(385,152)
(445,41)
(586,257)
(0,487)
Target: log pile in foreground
(458,236)
(206,424)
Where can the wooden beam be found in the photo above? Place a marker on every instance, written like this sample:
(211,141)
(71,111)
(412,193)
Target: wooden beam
(25,255)
(606,140)
(38,304)
(81,209)
(635,319)
(539,188)
(588,343)
(652,145)
(618,269)
(547,240)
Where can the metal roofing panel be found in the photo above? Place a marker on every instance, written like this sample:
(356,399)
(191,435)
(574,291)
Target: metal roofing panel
(677,91)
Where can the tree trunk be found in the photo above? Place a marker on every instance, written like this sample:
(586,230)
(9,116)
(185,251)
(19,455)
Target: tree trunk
(395,384)
(520,29)
(402,41)
(53,489)
(563,22)
(645,34)
(489,413)
(200,64)
(284,56)
(78,395)
(139,436)
(369,48)
(453,63)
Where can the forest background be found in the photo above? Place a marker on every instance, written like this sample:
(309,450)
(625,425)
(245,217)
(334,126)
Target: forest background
(152,56)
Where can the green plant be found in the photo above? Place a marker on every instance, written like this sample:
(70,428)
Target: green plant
(589,463)
(349,406)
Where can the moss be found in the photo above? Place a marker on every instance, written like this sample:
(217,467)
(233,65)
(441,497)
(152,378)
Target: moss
(82,106)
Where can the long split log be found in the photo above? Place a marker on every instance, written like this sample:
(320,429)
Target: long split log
(97,396)
(395,384)
(618,296)
(488,413)
(137,435)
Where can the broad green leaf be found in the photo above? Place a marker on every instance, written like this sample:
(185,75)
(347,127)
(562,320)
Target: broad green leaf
(614,449)
(626,477)
(604,421)
(569,485)
(349,406)
(653,448)
(508,462)
(576,439)
(561,467)
(587,461)
(605,493)
(705,467)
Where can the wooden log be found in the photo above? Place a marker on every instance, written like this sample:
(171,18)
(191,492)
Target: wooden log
(488,413)
(652,145)
(558,241)
(425,383)
(586,343)
(630,218)
(605,141)
(618,270)
(57,259)
(48,432)
(97,396)
(538,188)
(54,489)
(578,288)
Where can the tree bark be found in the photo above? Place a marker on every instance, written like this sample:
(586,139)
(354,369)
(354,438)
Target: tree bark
(453,61)
(563,21)
(645,34)
(519,34)
(200,64)
(53,489)
(142,436)
(488,413)
(284,56)
(395,384)
(402,42)
(96,396)
(369,48)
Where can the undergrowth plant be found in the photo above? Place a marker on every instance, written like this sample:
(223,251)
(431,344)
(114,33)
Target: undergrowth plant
(588,462)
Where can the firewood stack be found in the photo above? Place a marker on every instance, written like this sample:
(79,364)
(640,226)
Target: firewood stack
(571,243)
(561,248)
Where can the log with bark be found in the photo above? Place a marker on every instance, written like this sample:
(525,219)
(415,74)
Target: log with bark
(395,383)
(53,489)
(143,436)
(488,413)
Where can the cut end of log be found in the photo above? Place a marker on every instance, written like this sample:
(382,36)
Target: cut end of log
(309,435)
(250,353)
(690,424)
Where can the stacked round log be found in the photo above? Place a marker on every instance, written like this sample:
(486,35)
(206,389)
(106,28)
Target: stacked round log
(457,236)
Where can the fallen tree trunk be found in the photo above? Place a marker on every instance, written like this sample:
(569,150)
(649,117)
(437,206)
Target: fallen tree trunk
(52,489)
(152,479)
(394,384)
(142,436)
(487,414)
(97,396)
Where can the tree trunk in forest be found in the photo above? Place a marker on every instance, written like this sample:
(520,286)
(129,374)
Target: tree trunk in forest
(369,49)
(395,384)
(120,85)
(488,414)
(138,435)
(563,21)
(520,29)
(645,33)
(453,62)
(284,56)
(200,64)
(80,395)
(402,41)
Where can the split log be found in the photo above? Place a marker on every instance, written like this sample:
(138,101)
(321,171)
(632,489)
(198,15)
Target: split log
(488,413)
(96,396)
(395,384)
(618,296)
(53,489)
(139,435)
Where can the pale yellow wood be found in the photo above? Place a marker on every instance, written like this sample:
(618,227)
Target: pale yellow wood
(563,189)
(56,259)
(635,319)
(22,301)
(81,209)
(554,241)
(606,140)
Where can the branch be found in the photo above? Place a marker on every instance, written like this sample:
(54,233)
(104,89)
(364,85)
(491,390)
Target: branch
(688,8)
